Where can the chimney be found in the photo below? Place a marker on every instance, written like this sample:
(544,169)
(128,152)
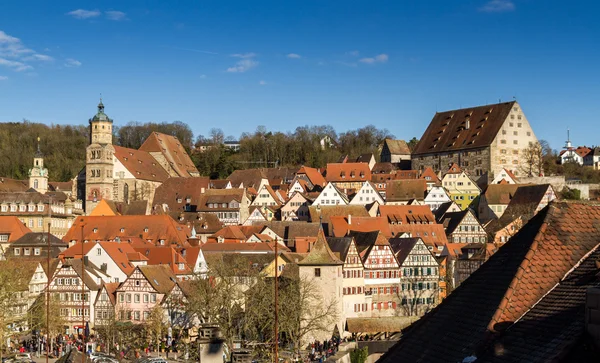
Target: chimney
(85,260)
(349,219)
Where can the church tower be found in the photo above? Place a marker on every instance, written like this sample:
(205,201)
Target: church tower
(38,175)
(99,160)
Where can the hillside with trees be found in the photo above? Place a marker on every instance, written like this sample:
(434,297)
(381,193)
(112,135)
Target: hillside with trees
(64,146)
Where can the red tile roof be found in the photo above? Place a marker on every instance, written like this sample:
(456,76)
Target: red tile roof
(166,255)
(315,177)
(405,190)
(172,150)
(339,226)
(141,164)
(177,193)
(13,227)
(432,234)
(404,214)
(13,185)
(118,252)
(347,172)
(511,285)
(429,173)
(149,228)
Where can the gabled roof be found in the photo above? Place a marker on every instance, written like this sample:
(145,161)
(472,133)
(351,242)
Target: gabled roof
(402,247)
(220,196)
(432,234)
(451,220)
(175,192)
(507,286)
(340,246)
(397,146)
(12,226)
(166,256)
(141,164)
(382,168)
(429,173)
(447,130)
(219,183)
(500,193)
(454,169)
(523,205)
(315,177)
(202,222)
(39,239)
(90,269)
(320,254)
(153,228)
(347,172)
(160,277)
(249,178)
(172,150)
(405,190)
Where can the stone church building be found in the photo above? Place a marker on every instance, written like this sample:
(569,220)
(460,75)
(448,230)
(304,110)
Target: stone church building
(122,174)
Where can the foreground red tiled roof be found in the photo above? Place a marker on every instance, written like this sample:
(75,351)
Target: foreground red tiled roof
(140,164)
(509,286)
(172,150)
(149,228)
(13,227)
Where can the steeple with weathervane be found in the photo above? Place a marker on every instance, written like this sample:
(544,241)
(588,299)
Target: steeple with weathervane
(38,174)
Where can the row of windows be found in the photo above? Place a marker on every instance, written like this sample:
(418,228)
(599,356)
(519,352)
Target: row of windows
(227,215)
(419,286)
(353,274)
(27,251)
(420,271)
(353,290)
(224,205)
(469,239)
(418,301)
(64,281)
(73,312)
(136,297)
(135,315)
(360,307)
(462,197)
(67,296)
(22,207)
(384,290)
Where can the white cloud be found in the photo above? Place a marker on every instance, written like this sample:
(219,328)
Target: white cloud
(294,56)
(84,14)
(39,57)
(115,15)
(70,62)
(498,6)
(244,55)
(242,66)
(5,38)
(381,58)
(3,78)
(16,66)
(262,83)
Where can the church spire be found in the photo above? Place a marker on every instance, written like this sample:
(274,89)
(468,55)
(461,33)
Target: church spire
(38,153)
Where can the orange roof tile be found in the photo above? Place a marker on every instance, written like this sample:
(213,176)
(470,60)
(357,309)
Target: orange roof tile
(430,175)
(13,227)
(432,234)
(340,226)
(347,172)
(149,228)
(141,164)
(315,177)
(173,152)
(177,193)
(166,255)
(405,190)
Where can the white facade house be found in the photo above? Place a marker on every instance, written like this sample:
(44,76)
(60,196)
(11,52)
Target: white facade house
(436,197)
(506,175)
(267,197)
(593,158)
(331,195)
(367,194)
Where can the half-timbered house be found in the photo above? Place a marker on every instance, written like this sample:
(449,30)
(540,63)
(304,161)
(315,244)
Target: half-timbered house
(382,272)
(353,284)
(146,287)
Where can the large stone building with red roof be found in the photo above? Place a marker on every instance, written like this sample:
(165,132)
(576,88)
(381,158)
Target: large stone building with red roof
(122,174)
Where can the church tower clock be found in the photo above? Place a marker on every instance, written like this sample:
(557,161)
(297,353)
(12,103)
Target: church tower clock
(99,160)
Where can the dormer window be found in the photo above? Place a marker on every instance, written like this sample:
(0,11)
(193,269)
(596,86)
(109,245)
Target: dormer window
(95,230)
(146,230)
(122,230)
(179,200)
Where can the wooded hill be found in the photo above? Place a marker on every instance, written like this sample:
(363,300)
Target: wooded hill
(64,146)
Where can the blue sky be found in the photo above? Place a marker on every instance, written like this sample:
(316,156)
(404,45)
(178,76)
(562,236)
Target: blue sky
(239,64)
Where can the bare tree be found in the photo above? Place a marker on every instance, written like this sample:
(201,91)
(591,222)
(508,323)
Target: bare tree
(155,325)
(532,159)
(56,321)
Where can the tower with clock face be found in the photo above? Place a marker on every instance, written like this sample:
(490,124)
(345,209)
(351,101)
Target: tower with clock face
(99,160)
(38,174)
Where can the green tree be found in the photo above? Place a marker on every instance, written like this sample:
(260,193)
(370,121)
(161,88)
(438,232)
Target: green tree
(359,355)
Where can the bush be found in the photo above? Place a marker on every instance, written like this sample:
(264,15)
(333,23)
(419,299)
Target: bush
(573,194)
(359,355)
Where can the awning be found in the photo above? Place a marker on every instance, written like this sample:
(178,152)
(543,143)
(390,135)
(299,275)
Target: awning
(379,325)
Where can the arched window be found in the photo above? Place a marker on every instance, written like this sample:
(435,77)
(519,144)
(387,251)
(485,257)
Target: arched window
(35,184)
(126,193)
